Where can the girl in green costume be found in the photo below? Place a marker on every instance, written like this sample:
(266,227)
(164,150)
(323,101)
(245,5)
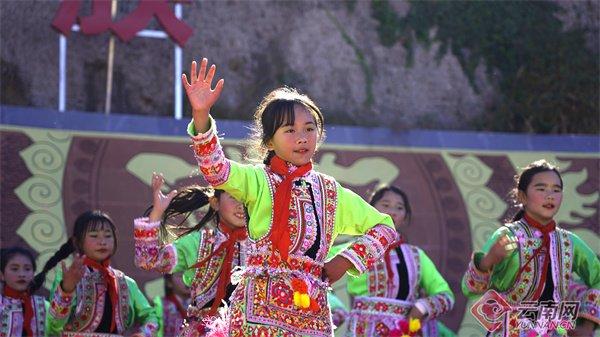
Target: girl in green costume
(90,298)
(295,214)
(404,284)
(533,260)
(205,253)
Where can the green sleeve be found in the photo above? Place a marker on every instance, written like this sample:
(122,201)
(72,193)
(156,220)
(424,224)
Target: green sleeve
(158,306)
(439,298)
(60,308)
(502,275)
(142,313)
(354,216)
(357,286)
(431,280)
(187,255)
(585,262)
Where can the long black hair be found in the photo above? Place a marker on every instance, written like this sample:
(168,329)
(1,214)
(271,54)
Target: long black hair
(182,206)
(523,180)
(85,222)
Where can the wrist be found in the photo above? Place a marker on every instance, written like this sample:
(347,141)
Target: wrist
(155,215)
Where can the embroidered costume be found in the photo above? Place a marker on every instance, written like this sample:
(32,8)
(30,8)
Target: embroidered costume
(385,294)
(540,269)
(105,299)
(21,314)
(297,213)
(171,312)
(205,249)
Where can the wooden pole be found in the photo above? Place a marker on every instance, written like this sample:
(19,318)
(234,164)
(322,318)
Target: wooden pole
(110,62)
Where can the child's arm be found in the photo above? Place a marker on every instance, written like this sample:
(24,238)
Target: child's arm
(200,94)
(354,216)
(215,168)
(150,254)
(497,249)
(63,296)
(143,314)
(440,298)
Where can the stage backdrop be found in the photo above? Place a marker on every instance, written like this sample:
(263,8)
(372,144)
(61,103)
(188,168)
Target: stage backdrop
(57,165)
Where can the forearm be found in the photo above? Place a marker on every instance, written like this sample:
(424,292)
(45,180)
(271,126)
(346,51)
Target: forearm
(149,254)
(369,248)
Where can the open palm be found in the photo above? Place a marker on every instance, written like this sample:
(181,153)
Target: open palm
(199,89)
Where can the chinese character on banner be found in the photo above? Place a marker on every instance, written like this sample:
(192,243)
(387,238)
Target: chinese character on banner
(100,20)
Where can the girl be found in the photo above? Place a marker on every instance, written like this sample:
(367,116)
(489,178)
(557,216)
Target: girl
(90,298)
(21,314)
(295,214)
(206,254)
(533,260)
(404,284)
(171,309)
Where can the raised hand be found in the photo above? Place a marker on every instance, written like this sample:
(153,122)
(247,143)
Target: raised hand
(501,248)
(160,201)
(73,274)
(200,93)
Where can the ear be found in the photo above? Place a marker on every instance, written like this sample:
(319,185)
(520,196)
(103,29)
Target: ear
(521,198)
(269,145)
(214,203)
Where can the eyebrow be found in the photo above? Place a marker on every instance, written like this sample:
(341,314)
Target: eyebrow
(543,185)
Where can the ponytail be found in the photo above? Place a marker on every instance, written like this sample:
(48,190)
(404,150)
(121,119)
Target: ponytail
(520,214)
(63,252)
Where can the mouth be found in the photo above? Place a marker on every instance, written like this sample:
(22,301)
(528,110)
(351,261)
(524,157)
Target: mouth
(301,151)
(549,206)
(241,216)
(102,251)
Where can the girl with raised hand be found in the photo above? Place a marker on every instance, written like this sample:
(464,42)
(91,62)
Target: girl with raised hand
(21,312)
(295,213)
(533,260)
(205,253)
(402,287)
(91,298)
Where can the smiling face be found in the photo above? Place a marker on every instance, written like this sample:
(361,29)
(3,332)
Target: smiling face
(296,142)
(231,211)
(18,272)
(99,243)
(543,196)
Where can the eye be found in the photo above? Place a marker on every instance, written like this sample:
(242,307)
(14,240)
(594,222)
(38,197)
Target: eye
(289,131)
(310,129)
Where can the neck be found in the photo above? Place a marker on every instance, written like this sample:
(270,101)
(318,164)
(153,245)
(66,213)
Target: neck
(541,221)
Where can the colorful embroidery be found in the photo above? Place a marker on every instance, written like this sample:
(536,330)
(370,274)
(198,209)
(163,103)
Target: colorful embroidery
(11,316)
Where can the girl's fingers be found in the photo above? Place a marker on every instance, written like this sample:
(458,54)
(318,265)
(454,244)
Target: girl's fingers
(219,87)
(202,72)
(193,76)
(184,81)
(210,75)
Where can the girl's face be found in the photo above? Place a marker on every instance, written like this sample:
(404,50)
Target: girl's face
(231,211)
(543,196)
(392,204)
(18,273)
(99,244)
(296,143)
